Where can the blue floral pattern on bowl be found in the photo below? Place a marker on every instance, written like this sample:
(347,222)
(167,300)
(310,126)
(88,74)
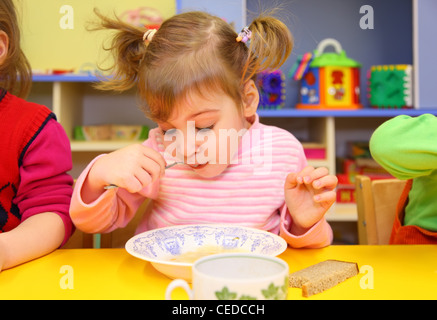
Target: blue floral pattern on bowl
(172,241)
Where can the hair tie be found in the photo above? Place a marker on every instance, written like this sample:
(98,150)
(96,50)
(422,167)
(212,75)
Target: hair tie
(148,35)
(244,35)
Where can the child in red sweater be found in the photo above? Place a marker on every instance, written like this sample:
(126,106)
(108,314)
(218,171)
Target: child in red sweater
(35,189)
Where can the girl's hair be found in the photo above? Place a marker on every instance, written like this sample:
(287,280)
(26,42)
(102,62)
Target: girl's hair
(15,72)
(191,52)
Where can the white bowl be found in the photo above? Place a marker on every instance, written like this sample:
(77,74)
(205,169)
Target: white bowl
(161,246)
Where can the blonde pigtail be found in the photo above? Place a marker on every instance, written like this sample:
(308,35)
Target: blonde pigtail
(270,45)
(127,49)
(192,52)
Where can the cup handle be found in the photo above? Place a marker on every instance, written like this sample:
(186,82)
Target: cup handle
(178,283)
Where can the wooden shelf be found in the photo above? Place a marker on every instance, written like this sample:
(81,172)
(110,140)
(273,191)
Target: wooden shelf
(68,93)
(276,113)
(99,146)
(64,78)
(343,212)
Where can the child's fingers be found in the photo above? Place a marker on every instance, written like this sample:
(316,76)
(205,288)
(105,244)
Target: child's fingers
(315,174)
(152,168)
(136,182)
(290,181)
(144,179)
(305,175)
(309,174)
(328,197)
(149,153)
(318,178)
(328,182)
(132,184)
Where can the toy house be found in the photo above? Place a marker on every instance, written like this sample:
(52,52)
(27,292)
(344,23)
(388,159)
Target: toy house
(329,80)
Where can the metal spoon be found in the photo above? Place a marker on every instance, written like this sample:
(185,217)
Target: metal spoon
(112,186)
(173,164)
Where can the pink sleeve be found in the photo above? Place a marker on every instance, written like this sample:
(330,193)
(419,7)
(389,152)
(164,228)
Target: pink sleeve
(45,185)
(113,209)
(320,235)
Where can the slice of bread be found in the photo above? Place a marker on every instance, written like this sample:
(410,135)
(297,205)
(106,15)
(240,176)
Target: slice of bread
(322,276)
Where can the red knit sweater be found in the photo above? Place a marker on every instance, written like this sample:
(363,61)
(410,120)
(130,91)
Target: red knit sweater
(21,121)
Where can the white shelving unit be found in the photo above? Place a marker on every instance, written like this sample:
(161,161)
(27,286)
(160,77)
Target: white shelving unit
(65,95)
(71,98)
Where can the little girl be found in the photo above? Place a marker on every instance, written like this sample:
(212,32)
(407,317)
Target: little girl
(35,190)
(197,77)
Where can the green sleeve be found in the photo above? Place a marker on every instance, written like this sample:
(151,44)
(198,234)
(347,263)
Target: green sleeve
(406,146)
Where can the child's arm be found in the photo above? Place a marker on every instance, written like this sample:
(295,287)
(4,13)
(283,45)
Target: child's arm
(308,196)
(94,209)
(406,146)
(36,236)
(318,236)
(43,198)
(132,168)
(113,209)
(45,185)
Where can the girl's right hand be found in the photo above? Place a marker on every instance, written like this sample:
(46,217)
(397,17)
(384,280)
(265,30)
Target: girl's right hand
(132,168)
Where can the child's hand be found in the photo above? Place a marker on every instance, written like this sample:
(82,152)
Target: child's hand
(132,168)
(308,195)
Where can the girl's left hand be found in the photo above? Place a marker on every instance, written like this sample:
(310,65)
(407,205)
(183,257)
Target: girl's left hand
(308,195)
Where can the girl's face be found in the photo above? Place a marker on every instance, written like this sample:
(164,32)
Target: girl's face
(204,131)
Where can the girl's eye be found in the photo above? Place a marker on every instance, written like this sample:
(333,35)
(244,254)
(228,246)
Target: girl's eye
(207,128)
(171,131)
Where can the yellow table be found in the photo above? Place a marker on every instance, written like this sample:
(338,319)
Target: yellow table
(394,272)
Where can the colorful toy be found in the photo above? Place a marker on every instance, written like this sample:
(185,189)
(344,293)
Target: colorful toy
(345,191)
(328,80)
(301,66)
(391,86)
(271,85)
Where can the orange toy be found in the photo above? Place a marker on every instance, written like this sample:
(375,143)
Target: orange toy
(332,80)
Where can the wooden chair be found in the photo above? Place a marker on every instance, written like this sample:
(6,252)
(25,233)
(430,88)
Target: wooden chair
(376,203)
(79,240)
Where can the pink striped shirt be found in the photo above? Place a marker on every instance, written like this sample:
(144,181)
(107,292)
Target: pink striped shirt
(250,192)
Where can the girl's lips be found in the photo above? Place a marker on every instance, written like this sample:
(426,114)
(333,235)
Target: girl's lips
(198,166)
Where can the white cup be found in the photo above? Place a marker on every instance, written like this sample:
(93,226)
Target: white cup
(236,276)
